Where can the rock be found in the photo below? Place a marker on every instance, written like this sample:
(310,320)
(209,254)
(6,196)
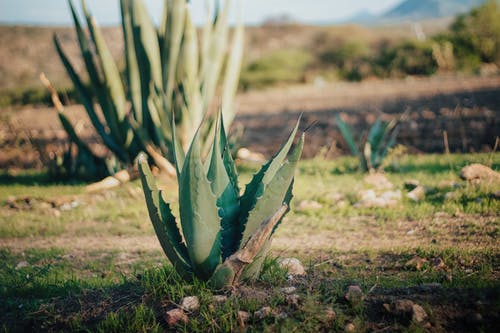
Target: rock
(350,327)
(293,265)
(220,298)
(438,264)
(282,315)
(69,205)
(367,195)
(391,196)
(369,198)
(354,295)
(288,290)
(335,198)
(448,184)
(243,317)
(407,309)
(479,173)
(402,307)
(262,313)
(308,205)
(190,303)
(448,196)
(418,314)
(379,181)
(417,194)
(176,316)
(246,155)
(416,263)
(330,314)
(22,264)
(293,299)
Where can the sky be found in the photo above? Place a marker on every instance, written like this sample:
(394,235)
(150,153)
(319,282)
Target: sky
(56,12)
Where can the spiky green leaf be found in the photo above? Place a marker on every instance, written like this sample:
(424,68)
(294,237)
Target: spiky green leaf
(346,132)
(256,187)
(112,80)
(232,74)
(274,194)
(163,221)
(85,98)
(199,214)
(226,193)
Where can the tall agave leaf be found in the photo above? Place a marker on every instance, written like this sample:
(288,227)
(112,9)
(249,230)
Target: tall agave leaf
(199,214)
(221,175)
(257,185)
(347,134)
(112,80)
(163,221)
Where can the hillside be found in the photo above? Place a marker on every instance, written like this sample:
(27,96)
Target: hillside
(425,9)
(421,10)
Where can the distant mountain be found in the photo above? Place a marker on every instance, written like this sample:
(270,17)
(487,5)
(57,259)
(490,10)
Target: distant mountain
(364,17)
(427,9)
(415,10)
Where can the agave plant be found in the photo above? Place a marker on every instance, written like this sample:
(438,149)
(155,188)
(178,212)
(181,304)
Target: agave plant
(167,75)
(225,236)
(371,151)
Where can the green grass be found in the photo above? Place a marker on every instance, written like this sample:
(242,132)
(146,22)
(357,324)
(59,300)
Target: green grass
(96,266)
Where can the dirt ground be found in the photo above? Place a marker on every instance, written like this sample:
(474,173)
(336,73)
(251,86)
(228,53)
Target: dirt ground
(467,108)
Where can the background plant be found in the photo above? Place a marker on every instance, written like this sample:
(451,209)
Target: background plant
(370,149)
(225,236)
(169,75)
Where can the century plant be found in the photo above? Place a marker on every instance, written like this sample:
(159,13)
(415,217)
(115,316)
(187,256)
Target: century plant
(371,149)
(223,236)
(168,74)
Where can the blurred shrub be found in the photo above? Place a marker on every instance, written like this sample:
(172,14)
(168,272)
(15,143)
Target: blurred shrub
(351,59)
(476,36)
(406,58)
(282,66)
(25,96)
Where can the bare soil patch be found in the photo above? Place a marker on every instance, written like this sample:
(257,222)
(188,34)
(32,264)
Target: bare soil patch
(468,108)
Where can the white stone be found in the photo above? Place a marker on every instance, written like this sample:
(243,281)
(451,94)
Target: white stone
(293,265)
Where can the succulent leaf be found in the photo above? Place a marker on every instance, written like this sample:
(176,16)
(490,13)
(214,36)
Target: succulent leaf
(347,134)
(163,221)
(86,99)
(110,72)
(232,74)
(256,187)
(179,155)
(274,194)
(226,193)
(199,214)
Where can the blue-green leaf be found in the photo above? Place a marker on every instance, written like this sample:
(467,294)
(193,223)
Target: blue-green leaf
(199,214)
(257,185)
(274,194)
(226,193)
(163,221)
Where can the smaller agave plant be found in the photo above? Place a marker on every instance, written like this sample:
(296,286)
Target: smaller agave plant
(372,152)
(222,236)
